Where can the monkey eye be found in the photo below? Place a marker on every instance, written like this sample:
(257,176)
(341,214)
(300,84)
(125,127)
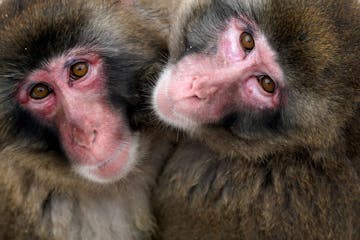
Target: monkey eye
(40,91)
(247,41)
(79,70)
(267,84)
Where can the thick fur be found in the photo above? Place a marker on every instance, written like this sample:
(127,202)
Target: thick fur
(41,199)
(40,196)
(295,175)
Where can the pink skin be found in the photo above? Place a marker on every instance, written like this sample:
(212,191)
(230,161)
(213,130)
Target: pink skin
(202,89)
(93,134)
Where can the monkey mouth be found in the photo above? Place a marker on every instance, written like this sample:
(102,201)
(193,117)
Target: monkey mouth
(120,150)
(203,108)
(114,167)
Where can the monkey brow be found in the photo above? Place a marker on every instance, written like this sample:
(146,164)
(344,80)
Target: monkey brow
(250,28)
(76,56)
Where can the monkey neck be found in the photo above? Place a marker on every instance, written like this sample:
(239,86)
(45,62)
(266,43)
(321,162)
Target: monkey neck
(117,211)
(97,215)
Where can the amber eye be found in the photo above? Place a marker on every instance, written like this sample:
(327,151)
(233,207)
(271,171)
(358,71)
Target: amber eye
(40,91)
(267,84)
(79,70)
(247,41)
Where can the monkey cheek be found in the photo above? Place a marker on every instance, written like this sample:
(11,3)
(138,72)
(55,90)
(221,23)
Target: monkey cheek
(165,107)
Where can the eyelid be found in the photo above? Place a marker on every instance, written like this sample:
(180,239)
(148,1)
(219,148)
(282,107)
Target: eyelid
(40,100)
(71,62)
(30,86)
(247,26)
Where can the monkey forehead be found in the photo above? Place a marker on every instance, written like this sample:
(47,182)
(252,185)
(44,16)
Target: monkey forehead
(36,32)
(198,22)
(43,31)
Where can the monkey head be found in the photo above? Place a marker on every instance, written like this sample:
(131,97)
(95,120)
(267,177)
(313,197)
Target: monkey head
(252,77)
(70,76)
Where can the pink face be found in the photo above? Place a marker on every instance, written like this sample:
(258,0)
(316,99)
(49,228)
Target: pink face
(202,89)
(69,94)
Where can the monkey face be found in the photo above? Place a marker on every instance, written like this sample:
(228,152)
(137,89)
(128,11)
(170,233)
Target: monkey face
(258,73)
(68,94)
(68,75)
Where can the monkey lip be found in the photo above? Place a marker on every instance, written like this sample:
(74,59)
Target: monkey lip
(116,166)
(116,154)
(114,163)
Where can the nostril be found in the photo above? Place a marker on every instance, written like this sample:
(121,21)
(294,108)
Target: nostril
(198,82)
(203,88)
(82,137)
(194,83)
(94,136)
(206,93)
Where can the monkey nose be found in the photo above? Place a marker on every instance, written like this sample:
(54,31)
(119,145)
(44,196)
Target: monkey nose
(83,138)
(205,93)
(202,88)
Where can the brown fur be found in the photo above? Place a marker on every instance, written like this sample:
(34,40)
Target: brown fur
(302,182)
(40,196)
(41,199)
